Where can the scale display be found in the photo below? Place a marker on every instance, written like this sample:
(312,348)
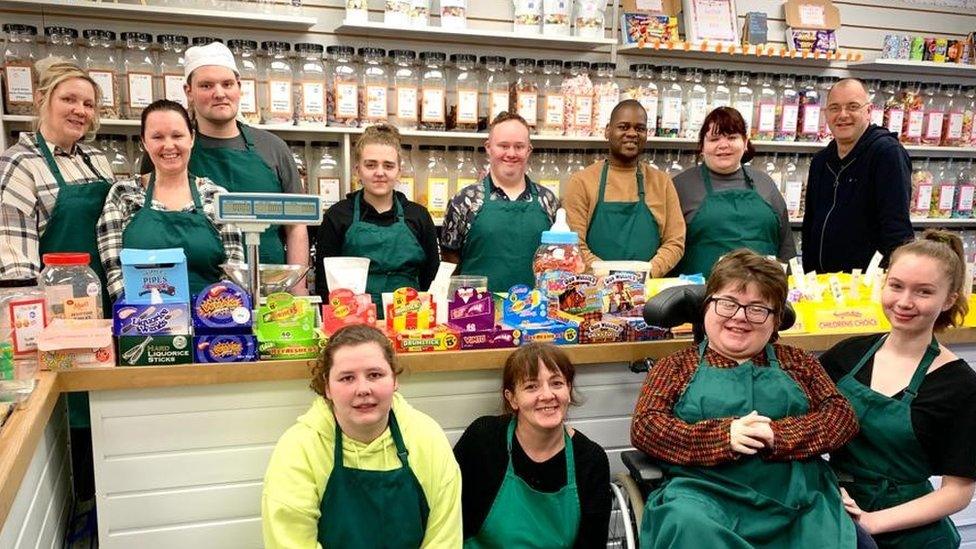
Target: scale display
(271,208)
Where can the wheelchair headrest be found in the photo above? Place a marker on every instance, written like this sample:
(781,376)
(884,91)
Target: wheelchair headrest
(683,304)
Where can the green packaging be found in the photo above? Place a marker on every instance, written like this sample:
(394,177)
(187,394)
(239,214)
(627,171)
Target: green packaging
(155,350)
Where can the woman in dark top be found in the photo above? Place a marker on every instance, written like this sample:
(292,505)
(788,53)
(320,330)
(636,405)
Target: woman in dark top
(914,400)
(528,479)
(397,235)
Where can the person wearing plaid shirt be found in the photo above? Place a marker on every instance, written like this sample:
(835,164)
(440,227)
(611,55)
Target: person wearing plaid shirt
(167,208)
(739,425)
(52,184)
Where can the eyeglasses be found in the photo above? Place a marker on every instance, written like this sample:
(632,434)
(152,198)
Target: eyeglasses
(728,308)
(849,107)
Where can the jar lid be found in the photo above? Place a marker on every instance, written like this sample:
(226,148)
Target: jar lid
(464,58)
(576,65)
(19,283)
(174,38)
(98,33)
(61,31)
(433,56)
(521,61)
(402,53)
(432,147)
(66,258)
(243,44)
(276,44)
(485,59)
(453,148)
(204,40)
(341,50)
(380,52)
(604,66)
(550,63)
(325,143)
(22,29)
(137,36)
(307,47)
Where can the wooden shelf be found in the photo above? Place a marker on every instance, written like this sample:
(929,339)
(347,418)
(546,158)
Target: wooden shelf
(743,54)
(472,36)
(920,223)
(928,68)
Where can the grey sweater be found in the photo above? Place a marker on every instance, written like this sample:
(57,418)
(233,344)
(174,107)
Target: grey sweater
(691,194)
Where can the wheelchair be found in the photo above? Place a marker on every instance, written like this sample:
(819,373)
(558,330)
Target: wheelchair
(670,308)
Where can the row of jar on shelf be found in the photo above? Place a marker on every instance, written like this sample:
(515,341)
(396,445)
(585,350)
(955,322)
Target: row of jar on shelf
(572,98)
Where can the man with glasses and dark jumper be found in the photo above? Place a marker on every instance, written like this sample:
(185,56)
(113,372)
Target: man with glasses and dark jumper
(858,188)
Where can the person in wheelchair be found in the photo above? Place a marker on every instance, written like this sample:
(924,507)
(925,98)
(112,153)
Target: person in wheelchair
(529,479)
(914,400)
(738,425)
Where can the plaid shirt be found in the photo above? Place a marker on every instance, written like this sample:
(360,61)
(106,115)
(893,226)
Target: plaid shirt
(466,204)
(655,430)
(28,191)
(126,198)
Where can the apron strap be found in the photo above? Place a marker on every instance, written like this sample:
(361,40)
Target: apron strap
(337,449)
(147,203)
(356,209)
(771,356)
(567,442)
(197,204)
(246,135)
(394,431)
(194,192)
(867,356)
(601,195)
(707,178)
(931,352)
(49,159)
(488,184)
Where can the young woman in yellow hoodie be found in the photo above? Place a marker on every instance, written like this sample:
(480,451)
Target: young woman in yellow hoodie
(362,468)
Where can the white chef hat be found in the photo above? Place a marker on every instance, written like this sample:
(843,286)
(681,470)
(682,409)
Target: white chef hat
(214,53)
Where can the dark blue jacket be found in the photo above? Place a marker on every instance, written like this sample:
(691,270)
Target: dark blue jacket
(857,205)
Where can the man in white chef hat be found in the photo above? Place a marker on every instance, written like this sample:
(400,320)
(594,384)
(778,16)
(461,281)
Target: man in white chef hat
(236,156)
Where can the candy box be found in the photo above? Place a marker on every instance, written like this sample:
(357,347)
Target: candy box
(225,348)
(67,344)
(635,329)
(524,305)
(144,319)
(222,308)
(623,293)
(161,270)
(438,338)
(498,337)
(601,331)
(410,310)
(346,308)
(283,317)
(572,293)
(471,310)
(155,350)
(551,331)
(291,349)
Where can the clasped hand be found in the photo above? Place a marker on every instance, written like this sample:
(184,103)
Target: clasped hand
(751,433)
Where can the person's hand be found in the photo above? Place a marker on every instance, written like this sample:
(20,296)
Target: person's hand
(750,433)
(864,519)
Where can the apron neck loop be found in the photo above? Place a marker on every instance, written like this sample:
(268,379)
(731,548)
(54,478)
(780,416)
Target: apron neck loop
(489,183)
(49,159)
(639,175)
(931,352)
(401,448)
(707,177)
(567,442)
(194,193)
(771,356)
(245,135)
(356,210)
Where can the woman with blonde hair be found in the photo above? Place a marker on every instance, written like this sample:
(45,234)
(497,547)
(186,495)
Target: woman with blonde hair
(53,183)
(914,400)
(378,222)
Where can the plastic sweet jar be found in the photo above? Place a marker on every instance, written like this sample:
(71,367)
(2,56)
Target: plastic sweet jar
(102,65)
(558,257)
(19,54)
(245,57)
(71,288)
(22,318)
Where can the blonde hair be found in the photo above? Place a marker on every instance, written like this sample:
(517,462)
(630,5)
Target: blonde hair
(379,134)
(51,73)
(946,248)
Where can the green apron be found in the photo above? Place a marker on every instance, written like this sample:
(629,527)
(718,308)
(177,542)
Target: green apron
(747,502)
(395,255)
(154,230)
(71,228)
(620,231)
(885,462)
(523,517)
(503,239)
(367,509)
(242,171)
(725,221)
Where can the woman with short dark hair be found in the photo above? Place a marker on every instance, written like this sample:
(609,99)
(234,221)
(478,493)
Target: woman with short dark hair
(727,205)
(738,425)
(529,479)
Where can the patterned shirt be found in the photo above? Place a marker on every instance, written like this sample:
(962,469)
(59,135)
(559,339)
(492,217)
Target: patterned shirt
(466,204)
(126,198)
(655,430)
(28,191)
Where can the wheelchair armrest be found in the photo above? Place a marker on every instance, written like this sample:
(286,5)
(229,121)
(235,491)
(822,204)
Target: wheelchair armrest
(641,467)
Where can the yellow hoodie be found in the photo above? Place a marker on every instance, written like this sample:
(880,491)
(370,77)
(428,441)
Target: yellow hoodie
(302,462)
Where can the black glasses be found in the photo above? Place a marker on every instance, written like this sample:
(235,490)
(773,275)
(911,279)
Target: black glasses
(728,308)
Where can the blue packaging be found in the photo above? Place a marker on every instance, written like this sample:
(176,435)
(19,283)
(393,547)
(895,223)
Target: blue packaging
(140,319)
(222,308)
(162,270)
(225,348)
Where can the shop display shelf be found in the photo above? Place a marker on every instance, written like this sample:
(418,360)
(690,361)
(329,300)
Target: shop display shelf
(744,54)
(927,68)
(231,16)
(375,29)
(920,223)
